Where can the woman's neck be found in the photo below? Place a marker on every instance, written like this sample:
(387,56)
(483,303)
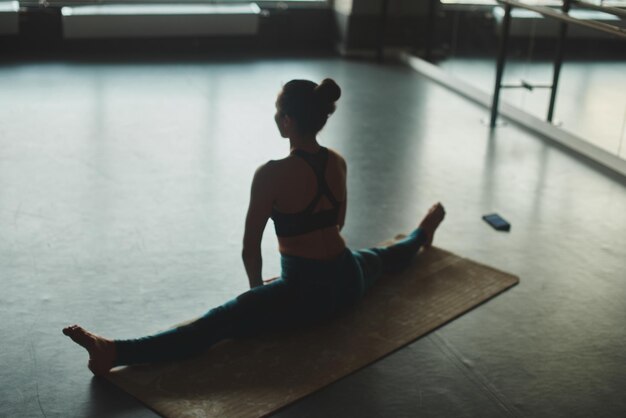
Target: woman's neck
(304,142)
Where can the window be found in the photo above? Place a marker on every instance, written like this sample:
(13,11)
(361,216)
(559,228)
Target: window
(58,3)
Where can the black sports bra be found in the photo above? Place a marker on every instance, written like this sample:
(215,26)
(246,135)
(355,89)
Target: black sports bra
(292,224)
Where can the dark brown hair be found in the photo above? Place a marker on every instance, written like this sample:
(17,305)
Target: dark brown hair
(308,103)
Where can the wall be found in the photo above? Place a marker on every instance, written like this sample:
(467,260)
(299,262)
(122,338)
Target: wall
(360,25)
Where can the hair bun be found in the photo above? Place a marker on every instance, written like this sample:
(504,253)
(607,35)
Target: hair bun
(328,91)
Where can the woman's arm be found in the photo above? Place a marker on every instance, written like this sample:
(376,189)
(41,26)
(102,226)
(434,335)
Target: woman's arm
(344,204)
(259,211)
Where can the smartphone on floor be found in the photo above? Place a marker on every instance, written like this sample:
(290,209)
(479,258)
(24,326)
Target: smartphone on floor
(497,222)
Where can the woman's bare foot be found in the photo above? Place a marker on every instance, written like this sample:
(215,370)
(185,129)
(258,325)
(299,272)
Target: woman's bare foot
(101,351)
(431,222)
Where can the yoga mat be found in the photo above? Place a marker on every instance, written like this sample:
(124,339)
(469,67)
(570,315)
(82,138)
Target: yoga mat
(256,377)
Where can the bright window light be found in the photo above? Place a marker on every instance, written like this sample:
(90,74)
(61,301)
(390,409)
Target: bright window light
(9,6)
(159,9)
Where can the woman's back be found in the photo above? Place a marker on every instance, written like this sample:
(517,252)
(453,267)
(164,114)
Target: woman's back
(288,190)
(295,187)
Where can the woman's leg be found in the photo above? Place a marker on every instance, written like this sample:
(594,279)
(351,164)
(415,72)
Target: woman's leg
(374,262)
(259,310)
(394,258)
(180,342)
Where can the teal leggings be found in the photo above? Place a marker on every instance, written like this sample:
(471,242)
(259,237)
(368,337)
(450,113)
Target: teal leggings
(308,291)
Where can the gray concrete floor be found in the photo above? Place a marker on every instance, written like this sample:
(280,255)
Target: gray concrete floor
(123,189)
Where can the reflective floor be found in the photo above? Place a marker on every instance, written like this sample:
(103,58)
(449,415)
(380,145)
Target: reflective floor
(123,190)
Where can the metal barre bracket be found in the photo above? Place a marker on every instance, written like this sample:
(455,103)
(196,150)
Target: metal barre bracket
(526,85)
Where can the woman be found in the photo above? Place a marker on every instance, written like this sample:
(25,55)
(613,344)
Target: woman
(305,195)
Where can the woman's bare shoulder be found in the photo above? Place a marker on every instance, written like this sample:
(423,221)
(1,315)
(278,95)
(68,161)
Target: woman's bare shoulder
(338,157)
(274,168)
